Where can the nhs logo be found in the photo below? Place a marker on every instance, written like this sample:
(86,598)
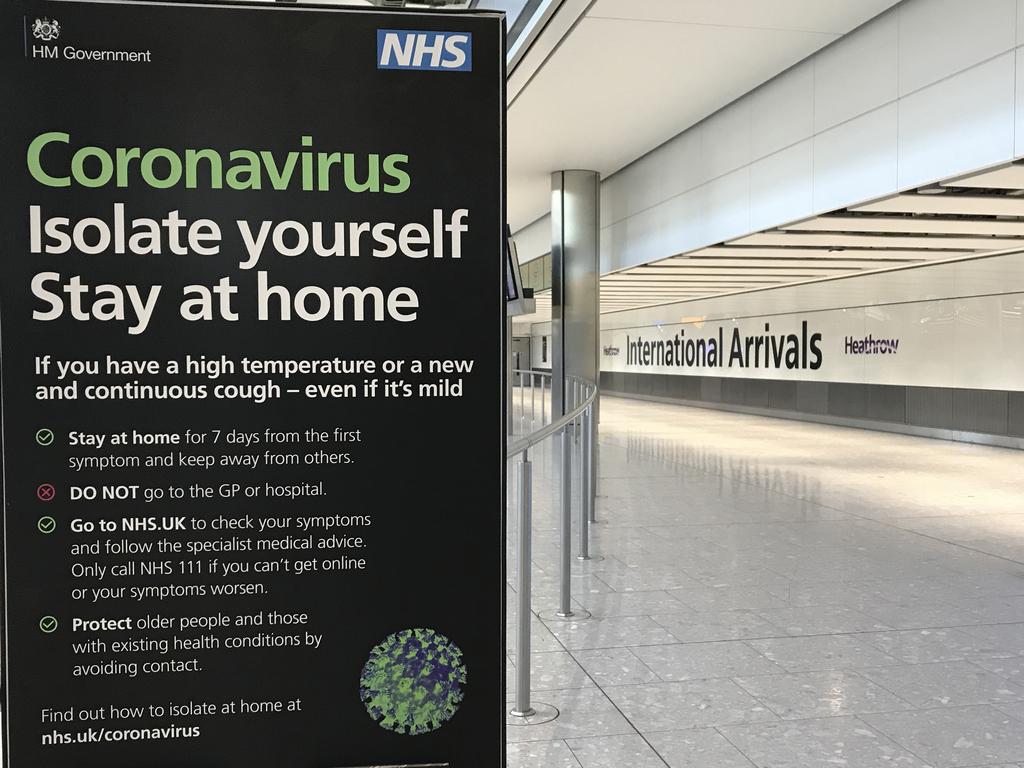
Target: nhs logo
(417,49)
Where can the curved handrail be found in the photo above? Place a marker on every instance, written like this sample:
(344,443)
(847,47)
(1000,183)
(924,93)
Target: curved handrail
(526,443)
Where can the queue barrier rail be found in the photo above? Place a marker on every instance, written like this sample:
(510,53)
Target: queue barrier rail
(575,432)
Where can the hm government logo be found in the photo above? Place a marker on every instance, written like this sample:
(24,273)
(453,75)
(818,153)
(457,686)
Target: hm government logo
(46,30)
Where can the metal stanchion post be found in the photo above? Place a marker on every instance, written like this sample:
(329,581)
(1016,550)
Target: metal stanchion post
(522,396)
(585,500)
(565,592)
(533,398)
(523,657)
(592,465)
(543,400)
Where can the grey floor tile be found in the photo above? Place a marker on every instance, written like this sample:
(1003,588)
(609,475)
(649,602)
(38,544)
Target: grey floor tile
(546,587)
(698,748)
(1010,668)
(1013,710)
(718,625)
(640,579)
(693,704)
(553,671)
(921,646)
(699,661)
(945,684)
(1000,637)
(807,695)
(615,752)
(541,639)
(919,615)
(810,654)
(959,736)
(609,633)
(839,741)
(583,712)
(998,610)
(541,754)
(616,604)
(823,620)
(728,599)
(615,666)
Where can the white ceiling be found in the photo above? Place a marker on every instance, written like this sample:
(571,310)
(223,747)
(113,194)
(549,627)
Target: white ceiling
(634,73)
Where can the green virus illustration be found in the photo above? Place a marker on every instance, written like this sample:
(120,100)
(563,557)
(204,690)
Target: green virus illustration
(412,682)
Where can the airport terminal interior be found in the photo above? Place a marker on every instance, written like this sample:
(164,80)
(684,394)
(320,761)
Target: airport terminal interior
(784,240)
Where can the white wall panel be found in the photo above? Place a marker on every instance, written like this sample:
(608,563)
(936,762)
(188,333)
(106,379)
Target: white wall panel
(963,122)
(857,73)
(782,111)
(534,241)
(939,38)
(981,342)
(726,144)
(857,160)
(1018,140)
(977,277)
(677,224)
(668,171)
(1012,316)
(726,206)
(781,186)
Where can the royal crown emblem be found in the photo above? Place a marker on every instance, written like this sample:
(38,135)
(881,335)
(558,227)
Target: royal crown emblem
(46,29)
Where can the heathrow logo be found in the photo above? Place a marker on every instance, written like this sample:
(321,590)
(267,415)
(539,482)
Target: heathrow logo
(432,51)
(46,30)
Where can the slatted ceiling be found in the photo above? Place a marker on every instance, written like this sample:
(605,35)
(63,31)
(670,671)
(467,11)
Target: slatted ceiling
(782,254)
(909,225)
(967,205)
(843,240)
(1008,177)
(760,270)
(780,265)
(708,281)
(682,279)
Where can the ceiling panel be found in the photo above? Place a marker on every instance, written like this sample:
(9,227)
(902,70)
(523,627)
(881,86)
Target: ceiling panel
(632,74)
(1008,177)
(781,254)
(910,225)
(970,205)
(891,241)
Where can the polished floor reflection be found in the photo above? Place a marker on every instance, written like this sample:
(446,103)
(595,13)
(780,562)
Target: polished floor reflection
(774,593)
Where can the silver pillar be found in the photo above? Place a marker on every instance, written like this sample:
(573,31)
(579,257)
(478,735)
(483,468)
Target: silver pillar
(575,271)
(576,298)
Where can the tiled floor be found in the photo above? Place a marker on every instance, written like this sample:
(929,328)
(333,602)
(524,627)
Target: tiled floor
(782,595)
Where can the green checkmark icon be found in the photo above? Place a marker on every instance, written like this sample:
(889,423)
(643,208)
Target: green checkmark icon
(44,436)
(48,624)
(46,525)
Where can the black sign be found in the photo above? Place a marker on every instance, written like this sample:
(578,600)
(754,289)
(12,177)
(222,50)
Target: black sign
(251,325)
